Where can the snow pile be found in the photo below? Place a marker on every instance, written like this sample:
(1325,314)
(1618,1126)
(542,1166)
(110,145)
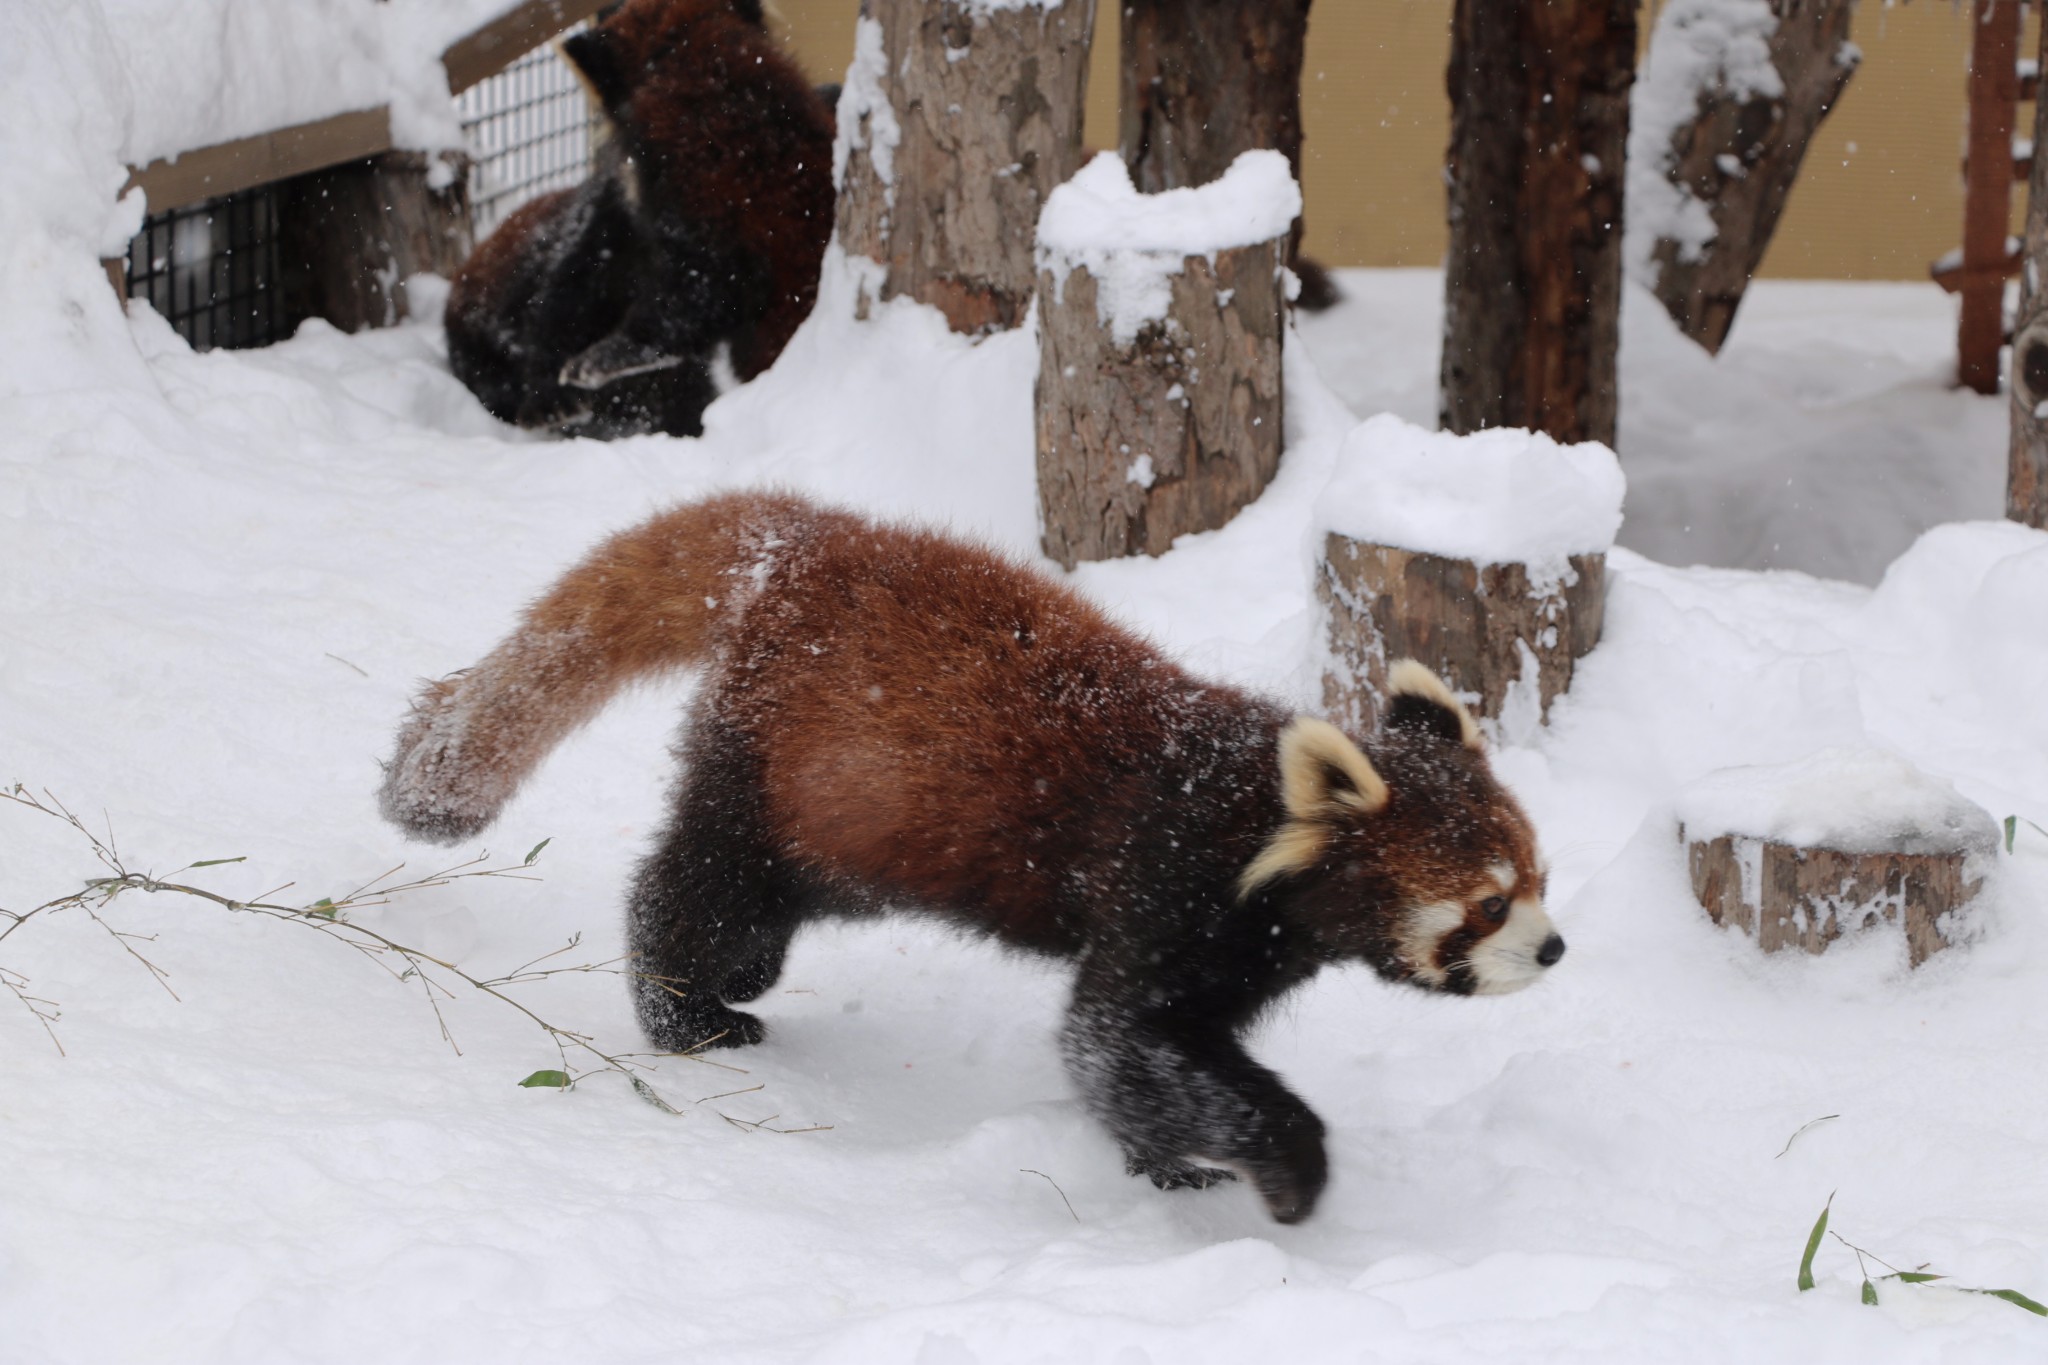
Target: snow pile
(1852,800)
(1504,496)
(1134,244)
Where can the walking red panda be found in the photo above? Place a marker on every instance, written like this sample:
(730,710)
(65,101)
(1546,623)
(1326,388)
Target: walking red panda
(891,718)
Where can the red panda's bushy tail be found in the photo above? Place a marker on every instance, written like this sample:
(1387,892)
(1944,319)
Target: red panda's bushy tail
(648,600)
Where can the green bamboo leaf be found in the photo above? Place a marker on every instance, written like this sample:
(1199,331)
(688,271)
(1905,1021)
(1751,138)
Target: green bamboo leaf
(216,862)
(1870,1293)
(548,1080)
(1820,1230)
(324,908)
(534,852)
(1912,1277)
(2011,825)
(652,1096)
(2012,1296)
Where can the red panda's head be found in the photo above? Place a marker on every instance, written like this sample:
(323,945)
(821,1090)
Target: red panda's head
(1414,859)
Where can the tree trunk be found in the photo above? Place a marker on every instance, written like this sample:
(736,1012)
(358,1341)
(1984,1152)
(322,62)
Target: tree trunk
(1785,896)
(1987,191)
(2026,485)
(1171,432)
(967,113)
(1532,280)
(1486,630)
(348,237)
(1739,152)
(1203,80)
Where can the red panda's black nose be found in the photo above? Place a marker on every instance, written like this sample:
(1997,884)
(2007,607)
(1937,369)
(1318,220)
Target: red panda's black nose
(1551,951)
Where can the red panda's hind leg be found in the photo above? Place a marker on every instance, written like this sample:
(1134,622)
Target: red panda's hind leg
(713,909)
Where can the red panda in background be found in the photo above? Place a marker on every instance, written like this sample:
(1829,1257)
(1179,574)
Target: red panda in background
(891,718)
(599,310)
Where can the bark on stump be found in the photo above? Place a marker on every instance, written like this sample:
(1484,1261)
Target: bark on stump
(984,108)
(2026,484)
(1785,896)
(1532,278)
(1170,433)
(1481,628)
(349,237)
(1204,81)
(1739,155)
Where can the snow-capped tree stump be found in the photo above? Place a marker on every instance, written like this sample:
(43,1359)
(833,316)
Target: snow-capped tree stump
(1160,320)
(957,119)
(1509,595)
(1532,273)
(1800,855)
(2026,484)
(1730,97)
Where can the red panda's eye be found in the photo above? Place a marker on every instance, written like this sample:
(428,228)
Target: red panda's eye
(1495,908)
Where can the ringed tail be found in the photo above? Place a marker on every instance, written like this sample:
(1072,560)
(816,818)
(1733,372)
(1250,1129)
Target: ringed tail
(647,601)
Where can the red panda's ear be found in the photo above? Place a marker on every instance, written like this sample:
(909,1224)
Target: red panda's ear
(1322,773)
(595,55)
(1418,699)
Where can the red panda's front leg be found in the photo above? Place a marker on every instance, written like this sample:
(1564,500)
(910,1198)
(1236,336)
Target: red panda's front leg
(1178,1090)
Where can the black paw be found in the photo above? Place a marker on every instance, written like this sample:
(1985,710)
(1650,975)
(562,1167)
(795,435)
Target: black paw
(1171,1173)
(698,1026)
(1290,1168)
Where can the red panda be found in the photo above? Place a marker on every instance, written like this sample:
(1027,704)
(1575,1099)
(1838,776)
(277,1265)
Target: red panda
(599,310)
(891,718)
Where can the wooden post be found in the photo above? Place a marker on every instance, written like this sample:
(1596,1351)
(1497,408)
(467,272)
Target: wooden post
(1532,280)
(1162,417)
(1738,155)
(1204,81)
(2026,484)
(963,115)
(1987,190)
(349,236)
(1492,631)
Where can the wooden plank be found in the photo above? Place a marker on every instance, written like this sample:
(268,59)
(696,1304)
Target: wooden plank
(504,40)
(225,167)
(1952,277)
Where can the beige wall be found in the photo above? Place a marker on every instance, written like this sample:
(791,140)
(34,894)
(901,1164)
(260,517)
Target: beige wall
(1880,196)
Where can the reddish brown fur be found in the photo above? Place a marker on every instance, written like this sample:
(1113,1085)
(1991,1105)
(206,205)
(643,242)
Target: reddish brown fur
(891,717)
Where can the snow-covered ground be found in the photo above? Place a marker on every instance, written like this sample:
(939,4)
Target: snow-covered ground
(224,572)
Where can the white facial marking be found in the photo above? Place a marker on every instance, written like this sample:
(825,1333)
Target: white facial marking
(1423,930)
(1504,877)
(1505,960)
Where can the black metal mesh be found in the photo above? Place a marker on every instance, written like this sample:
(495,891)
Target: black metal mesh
(212,270)
(529,131)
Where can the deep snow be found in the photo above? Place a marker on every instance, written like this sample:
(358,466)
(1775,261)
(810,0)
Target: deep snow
(228,568)
(225,571)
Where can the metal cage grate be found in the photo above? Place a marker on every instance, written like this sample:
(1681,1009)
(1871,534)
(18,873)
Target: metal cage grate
(212,269)
(530,130)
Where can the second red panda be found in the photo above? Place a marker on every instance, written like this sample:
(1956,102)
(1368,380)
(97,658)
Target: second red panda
(891,718)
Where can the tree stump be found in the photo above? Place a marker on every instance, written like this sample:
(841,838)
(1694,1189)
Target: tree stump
(1488,630)
(1159,405)
(1532,274)
(958,119)
(1802,854)
(2026,484)
(1725,168)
